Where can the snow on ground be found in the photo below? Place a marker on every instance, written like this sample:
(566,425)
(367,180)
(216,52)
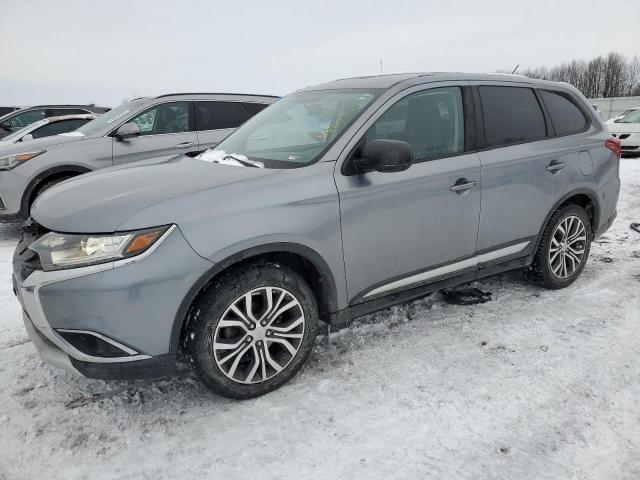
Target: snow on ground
(534,384)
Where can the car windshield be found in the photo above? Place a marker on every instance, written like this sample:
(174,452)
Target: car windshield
(108,119)
(296,130)
(632,117)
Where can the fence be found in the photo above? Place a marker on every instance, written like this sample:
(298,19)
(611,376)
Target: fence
(612,107)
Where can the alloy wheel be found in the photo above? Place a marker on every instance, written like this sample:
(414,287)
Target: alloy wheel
(258,335)
(568,243)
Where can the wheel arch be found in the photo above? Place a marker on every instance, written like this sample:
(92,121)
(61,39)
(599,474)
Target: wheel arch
(44,176)
(583,197)
(304,260)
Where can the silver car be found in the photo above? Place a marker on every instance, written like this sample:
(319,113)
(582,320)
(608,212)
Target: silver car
(136,130)
(336,201)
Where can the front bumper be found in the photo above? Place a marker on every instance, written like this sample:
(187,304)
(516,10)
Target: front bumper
(12,188)
(128,306)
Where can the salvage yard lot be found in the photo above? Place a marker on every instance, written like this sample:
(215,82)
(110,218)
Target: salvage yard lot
(534,384)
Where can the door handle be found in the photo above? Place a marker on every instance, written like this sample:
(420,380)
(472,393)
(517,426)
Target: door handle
(463,185)
(185,145)
(555,166)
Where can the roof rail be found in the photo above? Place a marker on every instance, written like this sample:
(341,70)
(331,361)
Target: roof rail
(215,93)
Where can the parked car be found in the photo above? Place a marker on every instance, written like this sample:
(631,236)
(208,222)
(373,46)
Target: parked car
(137,130)
(48,127)
(5,110)
(14,121)
(626,127)
(389,187)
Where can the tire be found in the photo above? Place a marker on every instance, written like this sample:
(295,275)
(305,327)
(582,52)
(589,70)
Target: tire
(217,338)
(547,268)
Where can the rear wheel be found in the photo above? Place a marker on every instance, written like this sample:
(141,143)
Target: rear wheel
(563,250)
(252,330)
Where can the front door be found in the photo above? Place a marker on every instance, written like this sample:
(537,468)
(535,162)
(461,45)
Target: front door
(165,129)
(407,228)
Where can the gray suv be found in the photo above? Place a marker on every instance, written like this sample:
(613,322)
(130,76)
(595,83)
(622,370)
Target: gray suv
(136,130)
(336,201)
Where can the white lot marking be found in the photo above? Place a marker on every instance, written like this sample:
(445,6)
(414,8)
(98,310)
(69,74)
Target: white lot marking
(534,384)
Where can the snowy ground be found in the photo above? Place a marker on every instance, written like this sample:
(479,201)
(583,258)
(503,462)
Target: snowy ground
(533,385)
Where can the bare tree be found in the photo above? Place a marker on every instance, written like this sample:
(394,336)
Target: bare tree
(603,76)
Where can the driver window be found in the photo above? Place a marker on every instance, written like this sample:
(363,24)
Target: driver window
(165,118)
(431,121)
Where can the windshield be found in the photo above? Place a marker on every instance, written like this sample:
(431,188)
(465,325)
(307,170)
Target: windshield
(632,117)
(295,131)
(108,119)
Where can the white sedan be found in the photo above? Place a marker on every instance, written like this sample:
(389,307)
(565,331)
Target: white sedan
(47,127)
(626,127)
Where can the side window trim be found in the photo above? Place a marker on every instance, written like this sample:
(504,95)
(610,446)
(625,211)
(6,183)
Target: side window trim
(142,112)
(352,144)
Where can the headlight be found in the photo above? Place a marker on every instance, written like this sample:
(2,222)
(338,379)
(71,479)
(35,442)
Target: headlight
(60,250)
(7,162)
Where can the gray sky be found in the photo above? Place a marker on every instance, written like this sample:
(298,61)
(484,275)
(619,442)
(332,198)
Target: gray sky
(68,51)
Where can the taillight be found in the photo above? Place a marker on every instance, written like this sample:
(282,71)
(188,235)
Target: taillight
(613,144)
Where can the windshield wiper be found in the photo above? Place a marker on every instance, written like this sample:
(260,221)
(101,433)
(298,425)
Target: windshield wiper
(246,162)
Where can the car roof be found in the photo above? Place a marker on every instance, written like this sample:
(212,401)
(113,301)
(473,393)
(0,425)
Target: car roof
(388,81)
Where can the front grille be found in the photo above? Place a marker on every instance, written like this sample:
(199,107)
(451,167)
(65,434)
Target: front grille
(624,135)
(629,147)
(2,207)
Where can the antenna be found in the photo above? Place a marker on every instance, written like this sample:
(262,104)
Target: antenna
(514,70)
(380,65)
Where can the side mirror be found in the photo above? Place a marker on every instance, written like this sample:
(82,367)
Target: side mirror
(27,138)
(386,156)
(6,126)
(128,130)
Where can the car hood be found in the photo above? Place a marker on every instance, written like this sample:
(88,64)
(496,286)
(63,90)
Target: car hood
(101,201)
(36,144)
(623,127)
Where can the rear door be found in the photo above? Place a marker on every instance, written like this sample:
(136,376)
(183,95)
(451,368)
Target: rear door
(523,174)
(215,120)
(165,129)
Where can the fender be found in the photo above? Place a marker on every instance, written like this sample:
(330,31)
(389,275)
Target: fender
(593,196)
(281,247)
(33,184)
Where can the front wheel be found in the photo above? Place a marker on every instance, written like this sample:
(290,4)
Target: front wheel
(252,330)
(563,250)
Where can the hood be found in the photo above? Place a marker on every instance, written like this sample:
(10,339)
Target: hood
(101,201)
(36,144)
(623,127)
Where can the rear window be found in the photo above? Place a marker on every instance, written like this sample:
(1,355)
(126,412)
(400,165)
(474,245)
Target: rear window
(565,115)
(511,115)
(220,115)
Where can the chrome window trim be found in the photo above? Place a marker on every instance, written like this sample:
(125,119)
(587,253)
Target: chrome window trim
(30,293)
(446,269)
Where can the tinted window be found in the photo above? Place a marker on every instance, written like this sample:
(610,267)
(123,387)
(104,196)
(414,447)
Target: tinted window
(54,112)
(21,120)
(565,115)
(217,115)
(432,122)
(164,118)
(256,107)
(56,128)
(511,115)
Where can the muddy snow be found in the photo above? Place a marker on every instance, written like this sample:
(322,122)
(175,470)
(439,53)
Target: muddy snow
(533,384)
